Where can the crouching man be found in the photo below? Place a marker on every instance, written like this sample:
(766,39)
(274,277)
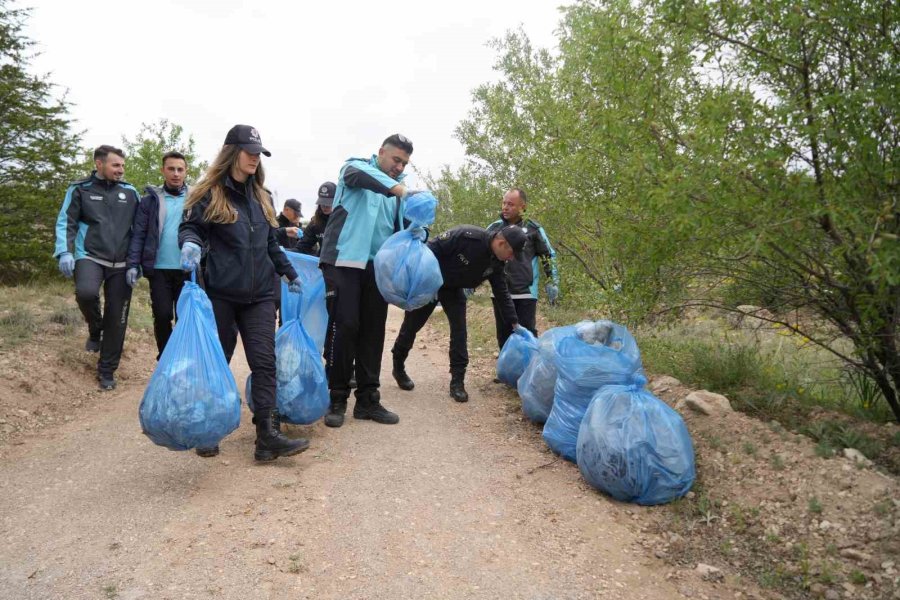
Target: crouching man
(468,255)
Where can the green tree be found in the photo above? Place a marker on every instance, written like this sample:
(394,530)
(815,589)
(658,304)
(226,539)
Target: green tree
(38,149)
(692,148)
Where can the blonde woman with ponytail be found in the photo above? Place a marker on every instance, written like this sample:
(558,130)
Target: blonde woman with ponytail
(230,214)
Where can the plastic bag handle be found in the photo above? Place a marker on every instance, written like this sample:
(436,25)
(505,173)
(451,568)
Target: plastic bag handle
(194,275)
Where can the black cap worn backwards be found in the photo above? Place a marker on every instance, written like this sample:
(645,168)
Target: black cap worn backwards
(247,138)
(326,194)
(516,239)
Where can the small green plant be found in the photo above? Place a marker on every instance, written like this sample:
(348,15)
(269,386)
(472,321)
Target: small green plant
(110,591)
(67,317)
(815,507)
(715,442)
(295,566)
(827,575)
(824,449)
(777,462)
(883,508)
(749,449)
(857,577)
(16,326)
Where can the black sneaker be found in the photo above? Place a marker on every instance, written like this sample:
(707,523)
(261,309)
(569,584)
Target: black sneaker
(107,382)
(207,452)
(92,345)
(368,407)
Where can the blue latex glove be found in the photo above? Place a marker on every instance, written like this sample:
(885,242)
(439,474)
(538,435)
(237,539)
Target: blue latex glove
(67,264)
(469,292)
(294,286)
(420,233)
(131,276)
(190,256)
(552,293)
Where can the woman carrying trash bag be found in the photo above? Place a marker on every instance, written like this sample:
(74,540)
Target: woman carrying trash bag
(231,214)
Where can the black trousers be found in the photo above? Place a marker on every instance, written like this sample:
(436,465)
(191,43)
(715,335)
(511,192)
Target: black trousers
(453,301)
(356,319)
(165,288)
(256,324)
(113,320)
(526,310)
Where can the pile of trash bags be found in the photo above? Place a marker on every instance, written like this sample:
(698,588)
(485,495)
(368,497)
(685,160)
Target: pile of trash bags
(406,271)
(585,384)
(310,301)
(191,400)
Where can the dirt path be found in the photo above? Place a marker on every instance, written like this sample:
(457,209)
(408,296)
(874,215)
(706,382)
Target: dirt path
(450,503)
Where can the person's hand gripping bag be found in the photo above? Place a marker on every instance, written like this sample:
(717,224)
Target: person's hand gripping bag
(517,352)
(191,400)
(406,271)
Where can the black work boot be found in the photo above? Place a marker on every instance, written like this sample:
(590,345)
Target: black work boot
(270,443)
(368,407)
(458,387)
(207,452)
(107,381)
(337,408)
(400,376)
(276,418)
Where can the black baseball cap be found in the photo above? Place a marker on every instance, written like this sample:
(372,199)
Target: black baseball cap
(326,194)
(516,238)
(247,138)
(293,204)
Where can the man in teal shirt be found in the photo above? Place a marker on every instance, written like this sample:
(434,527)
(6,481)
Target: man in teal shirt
(154,245)
(368,208)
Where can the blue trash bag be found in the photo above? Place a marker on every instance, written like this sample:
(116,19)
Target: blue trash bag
(301,389)
(311,298)
(635,448)
(420,208)
(191,400)
(407,272)
(536,385)
(593,355)
(515,356)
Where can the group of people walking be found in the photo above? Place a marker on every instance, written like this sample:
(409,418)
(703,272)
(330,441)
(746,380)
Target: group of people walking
(225,230)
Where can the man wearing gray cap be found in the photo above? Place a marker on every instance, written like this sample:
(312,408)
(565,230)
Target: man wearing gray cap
(311,242)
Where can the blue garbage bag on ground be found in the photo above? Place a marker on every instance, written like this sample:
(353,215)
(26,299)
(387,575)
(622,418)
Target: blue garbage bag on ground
(634,447)
(311,298)
(420,208)
(191,400)
(537,384)
(515,356)
(591,355)
(301,389)
(407,272)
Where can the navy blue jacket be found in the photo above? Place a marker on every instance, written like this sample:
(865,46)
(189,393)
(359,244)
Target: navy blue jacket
(242,257)
(148,221)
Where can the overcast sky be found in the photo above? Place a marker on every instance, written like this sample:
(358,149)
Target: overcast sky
(321,82)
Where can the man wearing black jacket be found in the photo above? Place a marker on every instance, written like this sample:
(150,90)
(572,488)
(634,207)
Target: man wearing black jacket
(467,255)
(288,230)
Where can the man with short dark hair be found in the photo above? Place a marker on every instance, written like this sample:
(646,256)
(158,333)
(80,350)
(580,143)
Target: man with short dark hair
(93,231)
(467,255)
(154,245)
(523,274)
(368,208)
(288,231)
